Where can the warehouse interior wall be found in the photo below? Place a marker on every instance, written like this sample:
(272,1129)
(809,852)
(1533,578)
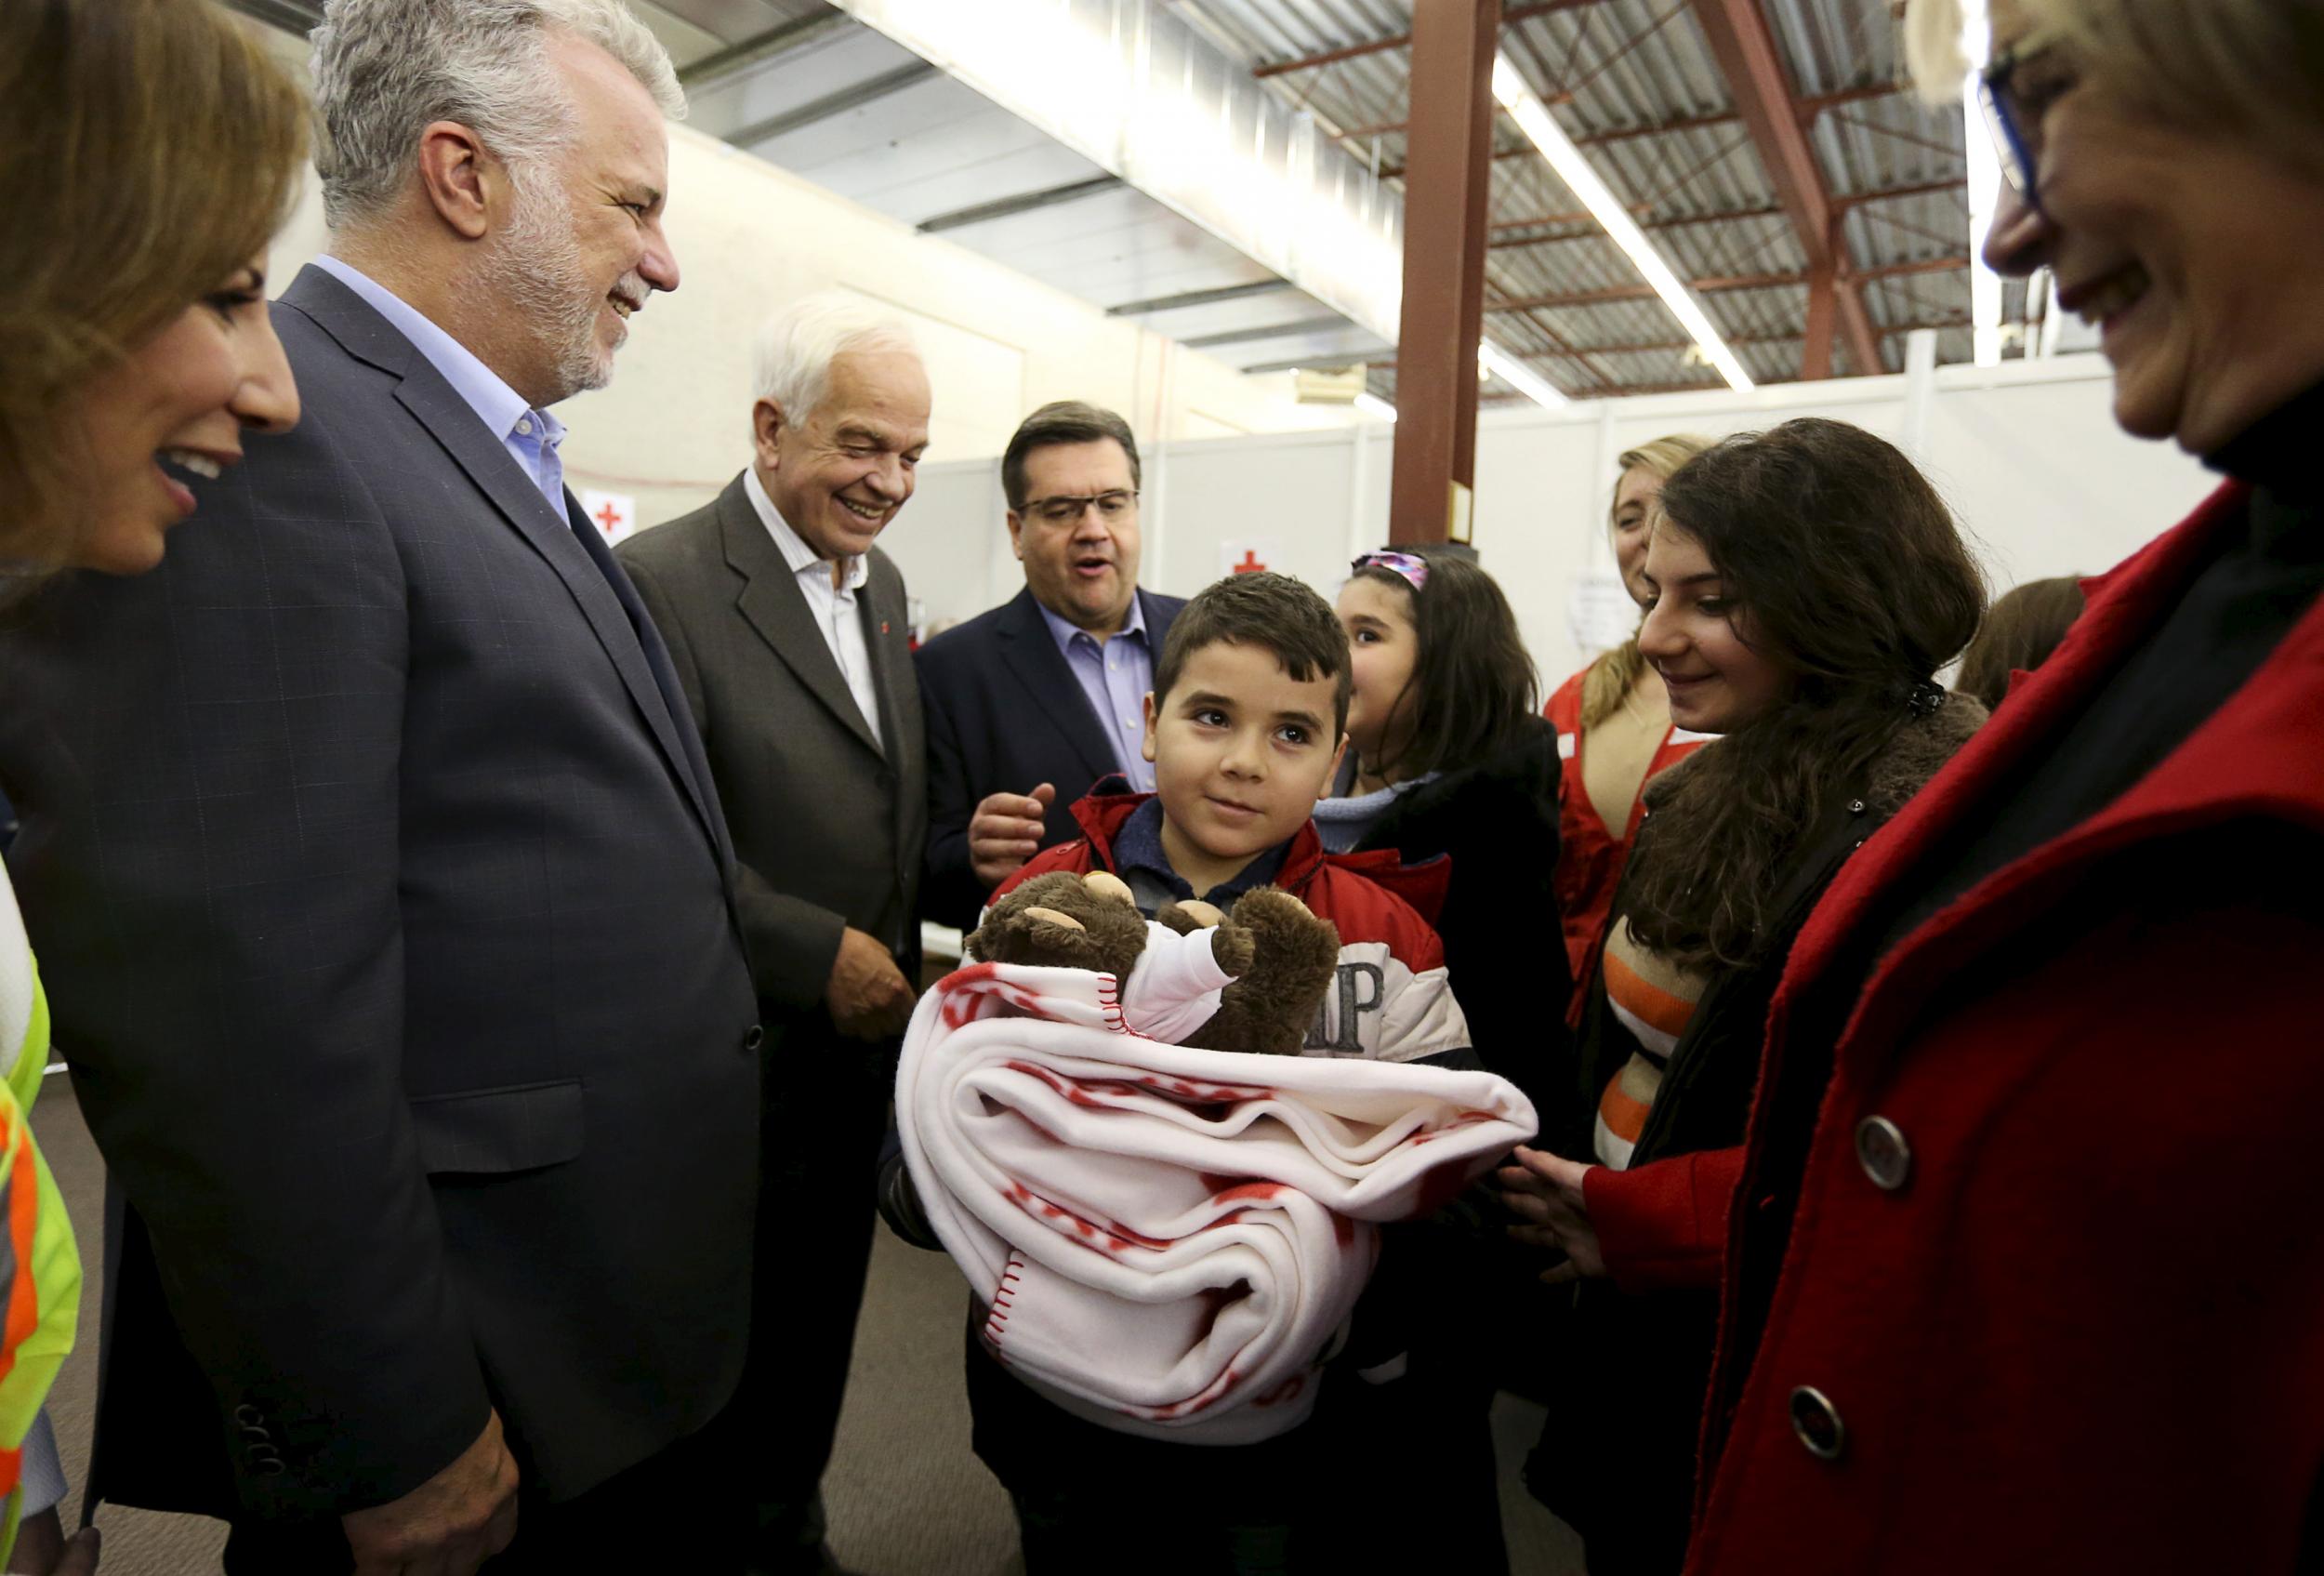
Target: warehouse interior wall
(2026,454)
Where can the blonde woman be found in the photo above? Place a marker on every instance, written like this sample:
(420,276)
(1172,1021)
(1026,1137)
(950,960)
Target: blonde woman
(1614,727)
(152,149)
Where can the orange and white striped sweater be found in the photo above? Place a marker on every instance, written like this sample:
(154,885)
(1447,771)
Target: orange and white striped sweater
(1653,997)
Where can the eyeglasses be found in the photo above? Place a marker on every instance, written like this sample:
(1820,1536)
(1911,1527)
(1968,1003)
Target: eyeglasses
(2014,109)
(1066,511)
(1412,567)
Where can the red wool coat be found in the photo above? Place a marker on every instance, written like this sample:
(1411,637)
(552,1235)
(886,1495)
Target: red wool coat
(2086,1332)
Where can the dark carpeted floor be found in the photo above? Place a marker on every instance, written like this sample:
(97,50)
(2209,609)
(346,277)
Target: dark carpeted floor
(906,1497)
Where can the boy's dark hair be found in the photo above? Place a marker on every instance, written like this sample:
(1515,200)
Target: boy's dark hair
(1273,613)
(1062,421)
(1472,688)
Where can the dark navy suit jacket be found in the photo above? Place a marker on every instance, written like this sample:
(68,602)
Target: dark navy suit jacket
(1006,714)
(386,906)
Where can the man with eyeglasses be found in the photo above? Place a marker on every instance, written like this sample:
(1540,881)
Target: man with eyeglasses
(1030,704)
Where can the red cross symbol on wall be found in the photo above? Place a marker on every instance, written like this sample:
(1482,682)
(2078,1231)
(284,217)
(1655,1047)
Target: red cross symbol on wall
(1250,564)
(609,517)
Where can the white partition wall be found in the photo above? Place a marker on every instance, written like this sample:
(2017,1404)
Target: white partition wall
(2027,454)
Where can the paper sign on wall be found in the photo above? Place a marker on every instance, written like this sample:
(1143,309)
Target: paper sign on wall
(615,514)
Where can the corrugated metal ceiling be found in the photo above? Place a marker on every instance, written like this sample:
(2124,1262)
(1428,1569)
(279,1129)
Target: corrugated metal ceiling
(1634,81)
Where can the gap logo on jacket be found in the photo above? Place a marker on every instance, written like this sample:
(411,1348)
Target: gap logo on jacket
(1391,1000)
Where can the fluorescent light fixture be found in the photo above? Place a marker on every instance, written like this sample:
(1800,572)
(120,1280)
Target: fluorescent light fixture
(1372,404)
(1984,189)
(1533,118)
(1494,362)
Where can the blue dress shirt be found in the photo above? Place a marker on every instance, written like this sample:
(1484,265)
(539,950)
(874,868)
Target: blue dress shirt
(1140,860)
(530,436)
(1115,676)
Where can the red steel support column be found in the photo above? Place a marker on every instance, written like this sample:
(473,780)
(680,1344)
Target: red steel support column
(1816,354)
(1745,48)
(1449,146)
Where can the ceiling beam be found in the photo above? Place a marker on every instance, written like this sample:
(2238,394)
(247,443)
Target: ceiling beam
(759,48)
(1197,298)
(1722,216)
(1384,359)
(1884,330)
(1719,282)
(1022,203)
(853,97)
(1379,356)
(1511,15)
(1745,47)
(1332,325)
(1809,108)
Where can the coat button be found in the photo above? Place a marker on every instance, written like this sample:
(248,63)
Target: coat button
(1883,1154)
(247,1416)
(754,1039)
(1816,1421)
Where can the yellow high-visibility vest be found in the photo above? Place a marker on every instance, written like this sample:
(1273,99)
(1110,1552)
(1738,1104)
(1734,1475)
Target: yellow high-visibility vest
(40,1269)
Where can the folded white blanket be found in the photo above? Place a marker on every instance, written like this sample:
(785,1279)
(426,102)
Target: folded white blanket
(1170,1239)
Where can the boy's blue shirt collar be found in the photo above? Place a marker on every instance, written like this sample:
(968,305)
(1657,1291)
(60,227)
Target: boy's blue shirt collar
(1138,846)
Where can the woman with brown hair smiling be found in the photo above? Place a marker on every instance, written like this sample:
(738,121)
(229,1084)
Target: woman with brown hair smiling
(152,149)
(1804,585)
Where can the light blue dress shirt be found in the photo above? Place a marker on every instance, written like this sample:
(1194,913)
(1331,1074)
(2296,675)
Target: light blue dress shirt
(1115,676)
(530,436)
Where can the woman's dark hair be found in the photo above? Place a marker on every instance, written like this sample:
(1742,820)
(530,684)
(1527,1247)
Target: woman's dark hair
(1472,685)
(2021,631)
(1843,568)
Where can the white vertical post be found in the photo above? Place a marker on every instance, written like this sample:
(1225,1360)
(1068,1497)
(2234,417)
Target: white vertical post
(1601,551)
(1920,390)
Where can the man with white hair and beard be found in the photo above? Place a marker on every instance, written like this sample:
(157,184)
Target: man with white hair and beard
(389,907)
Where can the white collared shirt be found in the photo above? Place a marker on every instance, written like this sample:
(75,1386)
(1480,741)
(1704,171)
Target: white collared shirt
(836,610)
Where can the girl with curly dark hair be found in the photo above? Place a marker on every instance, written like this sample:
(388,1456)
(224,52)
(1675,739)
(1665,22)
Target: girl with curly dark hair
(1806,584)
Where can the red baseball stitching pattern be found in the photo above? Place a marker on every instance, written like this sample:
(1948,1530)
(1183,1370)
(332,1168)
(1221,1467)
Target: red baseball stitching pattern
(1002,1296)
(1110,998)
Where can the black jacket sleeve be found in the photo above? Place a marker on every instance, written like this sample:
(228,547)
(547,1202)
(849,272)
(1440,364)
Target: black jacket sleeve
(950,892)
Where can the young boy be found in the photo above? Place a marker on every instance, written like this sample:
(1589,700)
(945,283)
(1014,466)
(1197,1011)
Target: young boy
(1245,727)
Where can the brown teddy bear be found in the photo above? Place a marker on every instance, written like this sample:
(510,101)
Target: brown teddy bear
(1251,979)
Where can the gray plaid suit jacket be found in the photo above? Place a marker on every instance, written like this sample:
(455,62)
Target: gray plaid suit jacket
(384,902)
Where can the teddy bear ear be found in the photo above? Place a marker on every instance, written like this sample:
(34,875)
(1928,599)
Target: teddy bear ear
(1104,883)
(1204,914)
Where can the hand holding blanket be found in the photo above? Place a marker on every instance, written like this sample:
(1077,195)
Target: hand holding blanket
(1170,1239)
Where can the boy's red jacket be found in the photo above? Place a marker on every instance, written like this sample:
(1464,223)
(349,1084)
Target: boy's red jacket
(1392,1001)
